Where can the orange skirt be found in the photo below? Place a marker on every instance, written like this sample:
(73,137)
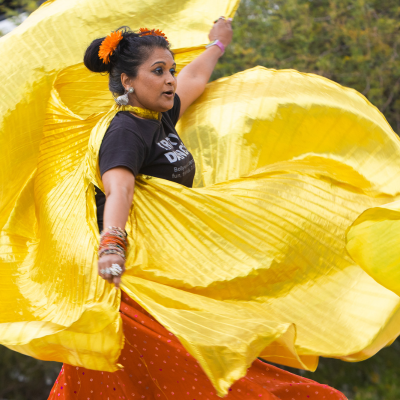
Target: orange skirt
(156,366)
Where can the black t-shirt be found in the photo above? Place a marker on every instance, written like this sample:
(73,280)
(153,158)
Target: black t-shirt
(145,146)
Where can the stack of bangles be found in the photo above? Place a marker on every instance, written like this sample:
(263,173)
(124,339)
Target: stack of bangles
(113,241)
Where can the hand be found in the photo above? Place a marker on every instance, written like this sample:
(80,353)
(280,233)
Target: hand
(222,31)
(105,262)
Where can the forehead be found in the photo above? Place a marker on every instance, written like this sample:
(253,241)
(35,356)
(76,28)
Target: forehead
(159,54)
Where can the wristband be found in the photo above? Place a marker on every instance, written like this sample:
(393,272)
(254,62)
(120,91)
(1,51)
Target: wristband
(217,43)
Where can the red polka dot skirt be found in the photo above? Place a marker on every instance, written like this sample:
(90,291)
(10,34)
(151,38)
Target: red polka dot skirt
(156,366)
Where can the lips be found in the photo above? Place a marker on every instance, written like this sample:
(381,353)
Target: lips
(169,93)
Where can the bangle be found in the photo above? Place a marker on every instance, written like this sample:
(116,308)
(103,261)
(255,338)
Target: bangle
(217,43)
(120,230)
(113,241)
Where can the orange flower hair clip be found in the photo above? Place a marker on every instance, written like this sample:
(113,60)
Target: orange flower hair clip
(109,45)
(152,32)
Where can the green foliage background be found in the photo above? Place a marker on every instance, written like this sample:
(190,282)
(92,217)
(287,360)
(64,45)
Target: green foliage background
(12,8)
(353,42)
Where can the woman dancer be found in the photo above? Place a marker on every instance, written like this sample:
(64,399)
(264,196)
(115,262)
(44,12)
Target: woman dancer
(141,139)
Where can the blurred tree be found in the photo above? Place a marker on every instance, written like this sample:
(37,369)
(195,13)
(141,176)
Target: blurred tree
(374,379)
(12,8)
(353,42)
(13,12)
(25,378)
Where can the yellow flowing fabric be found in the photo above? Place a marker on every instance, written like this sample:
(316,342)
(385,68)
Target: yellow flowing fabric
(250,262)
(373,242)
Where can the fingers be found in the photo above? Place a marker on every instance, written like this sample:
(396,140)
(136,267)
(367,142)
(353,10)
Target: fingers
(223,19)
(103,273)
(222,31)
(110,268)
(220,20)
(117,281)
(107,277)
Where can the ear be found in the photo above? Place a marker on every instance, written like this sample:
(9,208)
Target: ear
(126,81)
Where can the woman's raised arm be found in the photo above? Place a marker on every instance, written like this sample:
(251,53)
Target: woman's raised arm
(193,78)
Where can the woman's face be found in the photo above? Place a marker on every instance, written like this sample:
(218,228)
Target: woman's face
(155,83)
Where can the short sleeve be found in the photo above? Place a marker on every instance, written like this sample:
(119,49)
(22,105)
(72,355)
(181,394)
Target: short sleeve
(173,113)
(122,146)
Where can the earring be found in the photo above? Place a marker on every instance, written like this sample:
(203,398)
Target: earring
(123,100)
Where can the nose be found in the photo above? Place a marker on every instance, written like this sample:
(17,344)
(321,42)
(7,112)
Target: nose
(170,79)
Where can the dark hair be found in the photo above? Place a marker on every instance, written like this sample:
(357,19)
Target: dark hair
(131,52)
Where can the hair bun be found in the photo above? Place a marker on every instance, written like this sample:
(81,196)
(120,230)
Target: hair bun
(92,60)
(123,55)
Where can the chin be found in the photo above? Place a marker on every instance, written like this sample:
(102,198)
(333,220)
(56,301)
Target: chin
(165,106)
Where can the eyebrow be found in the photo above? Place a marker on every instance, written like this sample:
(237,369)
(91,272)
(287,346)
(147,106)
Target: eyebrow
(162,62)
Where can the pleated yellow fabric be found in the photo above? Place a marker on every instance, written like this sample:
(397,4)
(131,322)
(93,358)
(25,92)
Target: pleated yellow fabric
(39,315)
(251,262)
(373,242)
(55,37)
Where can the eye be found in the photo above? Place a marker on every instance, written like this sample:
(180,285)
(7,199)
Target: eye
(158,71)
(173,71)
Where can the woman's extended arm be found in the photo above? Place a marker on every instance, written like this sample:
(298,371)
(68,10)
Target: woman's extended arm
(119,186)
(193,78)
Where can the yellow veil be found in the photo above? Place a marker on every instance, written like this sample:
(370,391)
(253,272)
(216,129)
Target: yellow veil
(250,262)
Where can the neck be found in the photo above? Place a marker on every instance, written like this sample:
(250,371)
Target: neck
(141,112)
